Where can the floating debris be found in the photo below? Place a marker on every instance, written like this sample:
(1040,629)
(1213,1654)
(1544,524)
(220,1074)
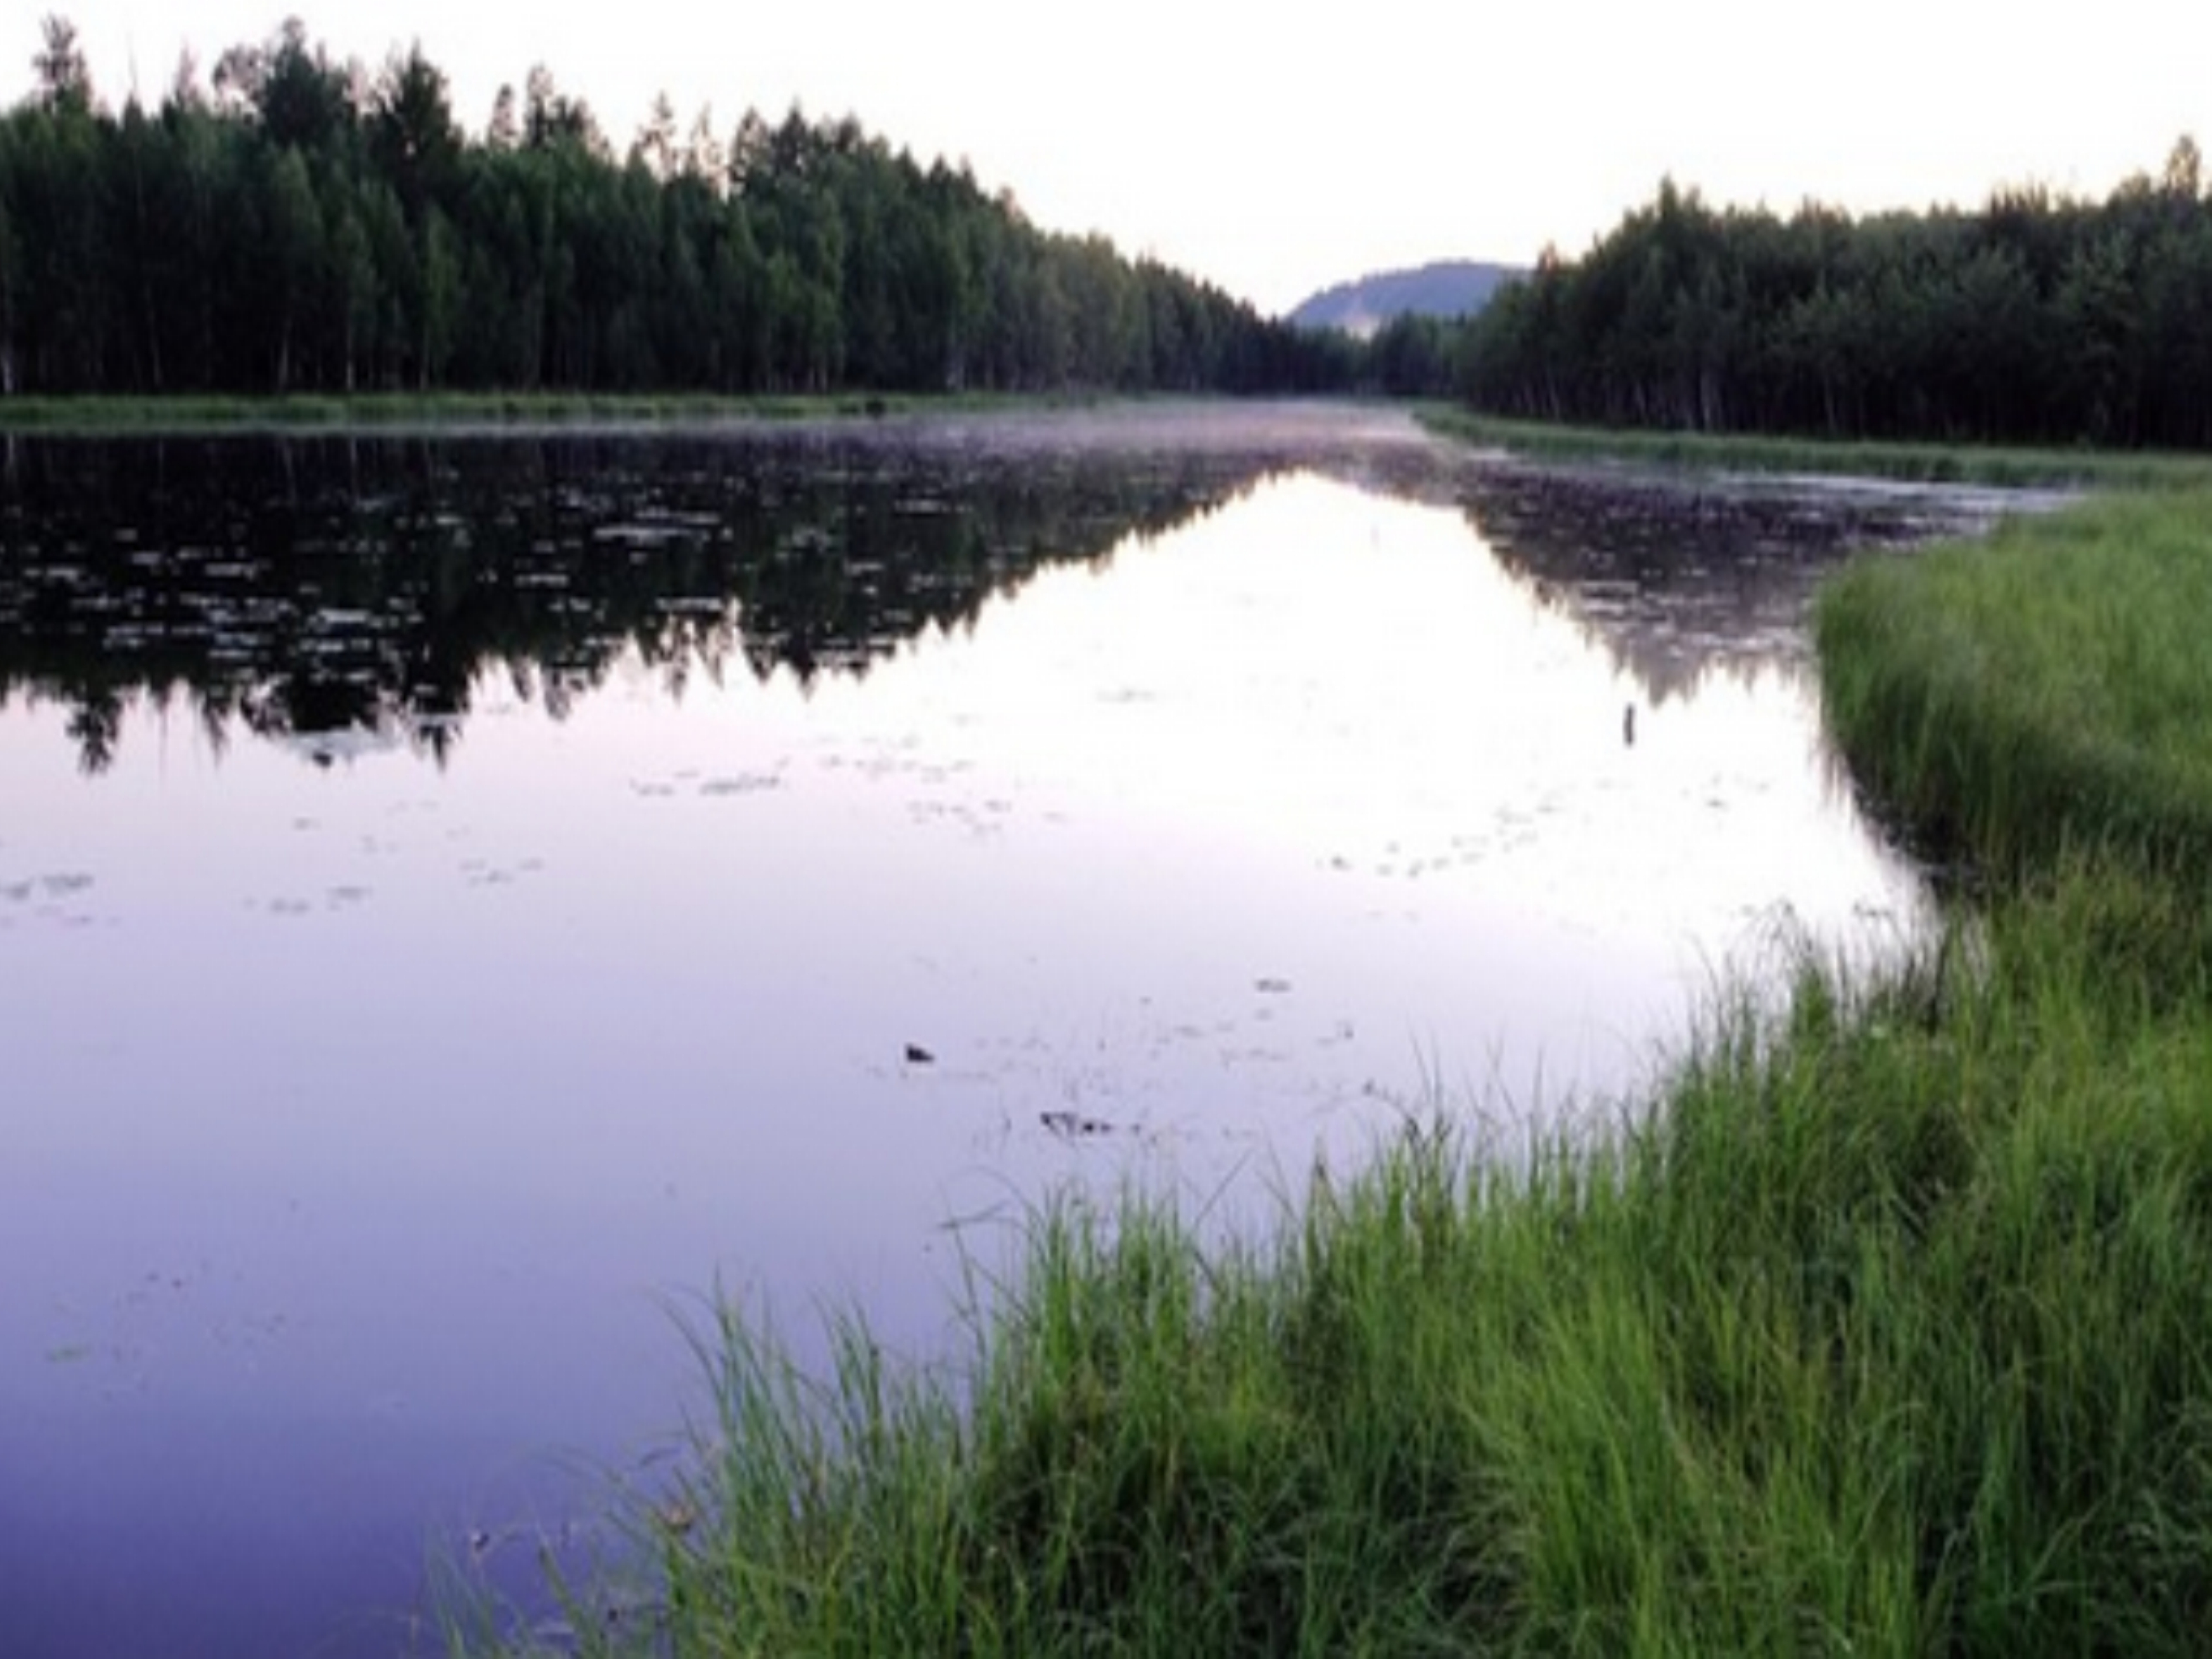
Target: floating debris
(918,1056)
(744,783)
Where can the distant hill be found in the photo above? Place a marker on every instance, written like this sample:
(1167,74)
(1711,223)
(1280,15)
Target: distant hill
(1449,287)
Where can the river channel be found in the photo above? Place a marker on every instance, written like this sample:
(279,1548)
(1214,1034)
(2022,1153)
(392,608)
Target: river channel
(466,897)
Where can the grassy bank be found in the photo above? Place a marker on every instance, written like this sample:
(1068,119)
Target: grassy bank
(1884,1327)
(2048,687)
(1906,462)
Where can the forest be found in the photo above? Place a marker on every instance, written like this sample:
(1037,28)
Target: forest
(288,224)
(2036,319)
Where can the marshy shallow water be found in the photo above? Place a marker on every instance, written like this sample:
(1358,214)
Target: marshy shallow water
(464,895)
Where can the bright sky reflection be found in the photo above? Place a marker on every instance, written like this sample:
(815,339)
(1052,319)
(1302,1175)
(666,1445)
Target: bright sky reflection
(364,1118)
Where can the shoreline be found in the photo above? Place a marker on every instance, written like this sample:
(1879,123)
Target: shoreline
(521,412)
(1882,1320)
(1908,463)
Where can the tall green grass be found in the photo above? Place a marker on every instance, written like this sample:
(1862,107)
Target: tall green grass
(2045,688)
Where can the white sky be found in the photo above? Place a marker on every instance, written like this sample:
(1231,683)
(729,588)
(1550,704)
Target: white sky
(1274,149)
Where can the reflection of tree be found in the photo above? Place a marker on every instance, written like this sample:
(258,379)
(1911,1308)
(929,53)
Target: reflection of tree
(313,588)
(94,725)
(1677,579)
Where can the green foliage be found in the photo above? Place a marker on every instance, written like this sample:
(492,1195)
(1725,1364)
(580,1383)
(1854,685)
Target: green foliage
(306,230)
(2044,691)
(2034,320)
(1416,356)
(2008,466)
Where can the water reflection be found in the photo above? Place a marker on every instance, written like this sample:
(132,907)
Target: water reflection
(351,591)
(1192,794)
(1679,579)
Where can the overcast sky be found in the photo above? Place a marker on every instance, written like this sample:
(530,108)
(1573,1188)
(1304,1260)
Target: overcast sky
(1277,149)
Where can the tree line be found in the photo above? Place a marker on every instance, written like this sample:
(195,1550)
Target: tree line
(289,223)
(2037,319)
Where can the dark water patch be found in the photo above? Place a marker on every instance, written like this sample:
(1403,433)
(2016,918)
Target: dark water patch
(316,586)
(1682,575)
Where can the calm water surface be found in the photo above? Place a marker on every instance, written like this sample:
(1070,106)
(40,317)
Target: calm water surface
(462,898)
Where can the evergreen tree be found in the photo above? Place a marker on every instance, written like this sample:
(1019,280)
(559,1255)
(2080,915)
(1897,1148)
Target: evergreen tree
(298,225)
(2035,319)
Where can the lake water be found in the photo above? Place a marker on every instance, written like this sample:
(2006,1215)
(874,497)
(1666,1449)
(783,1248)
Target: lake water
(463,897)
